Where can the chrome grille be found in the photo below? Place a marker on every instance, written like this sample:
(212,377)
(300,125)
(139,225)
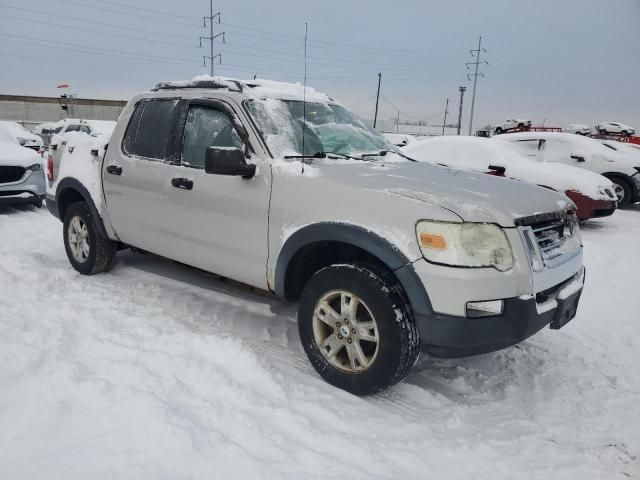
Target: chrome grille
(550,237)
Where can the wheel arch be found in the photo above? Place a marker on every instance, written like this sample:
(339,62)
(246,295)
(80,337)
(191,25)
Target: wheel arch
(626,178)
(337,242)
(70,190)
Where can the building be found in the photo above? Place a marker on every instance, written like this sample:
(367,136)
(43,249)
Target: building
(31,110)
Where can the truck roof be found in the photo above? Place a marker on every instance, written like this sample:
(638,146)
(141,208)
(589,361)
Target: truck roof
(253,88)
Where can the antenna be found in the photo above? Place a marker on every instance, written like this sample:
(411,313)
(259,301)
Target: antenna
(304,87)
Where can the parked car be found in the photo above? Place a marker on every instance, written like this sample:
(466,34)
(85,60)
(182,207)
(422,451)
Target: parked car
(21,175)
(593,194)
(624,148)
(399,139)
(510,125)
(23,136)
(583,152)
(578,128)
(384,254)
(605,128)
(77,126)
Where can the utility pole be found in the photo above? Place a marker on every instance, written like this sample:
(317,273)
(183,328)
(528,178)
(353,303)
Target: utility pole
(475,53)
(375,116)
(211,37)
(398,123)
(461,89)
(446,110)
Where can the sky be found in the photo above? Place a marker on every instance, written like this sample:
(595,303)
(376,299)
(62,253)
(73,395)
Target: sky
(552,61)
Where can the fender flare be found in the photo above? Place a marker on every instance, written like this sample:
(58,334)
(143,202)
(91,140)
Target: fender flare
(73,184)
(362,238)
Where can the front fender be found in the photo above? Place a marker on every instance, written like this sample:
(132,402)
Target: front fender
(362,238)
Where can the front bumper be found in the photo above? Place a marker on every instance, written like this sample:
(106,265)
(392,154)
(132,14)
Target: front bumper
(589,208)
(448,336)
(29,189)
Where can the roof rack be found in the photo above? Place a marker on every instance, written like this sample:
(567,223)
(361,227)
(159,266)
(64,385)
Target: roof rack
(232,85)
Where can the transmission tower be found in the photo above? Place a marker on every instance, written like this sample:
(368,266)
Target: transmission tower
(475,53)
(211,37)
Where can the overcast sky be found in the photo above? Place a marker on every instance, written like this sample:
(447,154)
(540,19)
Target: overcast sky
(569,61)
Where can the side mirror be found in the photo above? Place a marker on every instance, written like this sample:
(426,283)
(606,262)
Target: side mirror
(578,156)
(228,161)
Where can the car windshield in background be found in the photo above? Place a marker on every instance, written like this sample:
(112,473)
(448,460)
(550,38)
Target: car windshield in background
(329,128)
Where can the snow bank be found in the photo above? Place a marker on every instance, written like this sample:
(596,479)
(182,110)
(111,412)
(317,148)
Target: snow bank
(154,371)
(476,154)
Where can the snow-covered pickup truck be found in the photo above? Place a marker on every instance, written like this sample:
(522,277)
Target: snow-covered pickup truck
(288,191)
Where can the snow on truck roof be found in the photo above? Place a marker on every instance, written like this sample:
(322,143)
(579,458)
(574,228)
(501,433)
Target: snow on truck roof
(257,88)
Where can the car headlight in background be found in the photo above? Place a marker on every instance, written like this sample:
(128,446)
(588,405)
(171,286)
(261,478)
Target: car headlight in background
(35,167)
(465,244)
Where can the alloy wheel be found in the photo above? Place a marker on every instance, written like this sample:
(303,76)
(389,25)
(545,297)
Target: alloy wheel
(78,239)
(345,331)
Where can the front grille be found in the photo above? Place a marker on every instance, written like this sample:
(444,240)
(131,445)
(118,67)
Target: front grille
(550,237)
(10,174)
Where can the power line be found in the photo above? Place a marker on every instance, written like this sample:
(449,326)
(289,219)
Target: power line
(475,53)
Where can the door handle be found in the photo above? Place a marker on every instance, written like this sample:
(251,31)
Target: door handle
(183,183)
(114,170)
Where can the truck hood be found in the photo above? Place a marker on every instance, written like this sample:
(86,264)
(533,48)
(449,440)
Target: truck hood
(474,197)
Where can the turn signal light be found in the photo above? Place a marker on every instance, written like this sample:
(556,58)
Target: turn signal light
(50,168)
(437,242)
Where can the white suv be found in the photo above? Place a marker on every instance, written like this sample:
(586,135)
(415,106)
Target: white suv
(606,128)
(510,125)
(576,150)
(384,255)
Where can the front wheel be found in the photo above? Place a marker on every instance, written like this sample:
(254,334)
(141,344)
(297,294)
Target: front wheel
(357,329)
(498,130)
(623,191)
(88,251)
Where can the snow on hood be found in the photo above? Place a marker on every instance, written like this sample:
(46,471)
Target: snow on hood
(473,197)
(12,154)
(476,154)
(18,131)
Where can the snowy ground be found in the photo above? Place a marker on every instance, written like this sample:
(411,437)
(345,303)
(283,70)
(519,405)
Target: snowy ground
(156,371)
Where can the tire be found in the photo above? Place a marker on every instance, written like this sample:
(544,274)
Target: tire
(625,133)
(521,126)
(498,130)
(37,204)
(98,254)
(622,187)
(603,131)
(381,299)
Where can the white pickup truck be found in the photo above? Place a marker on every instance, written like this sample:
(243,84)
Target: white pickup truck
(289,192)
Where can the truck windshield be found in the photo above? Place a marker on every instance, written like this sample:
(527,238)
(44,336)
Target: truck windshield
(327,128)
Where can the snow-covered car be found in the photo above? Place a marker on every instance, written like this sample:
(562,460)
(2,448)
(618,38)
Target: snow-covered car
(622,147)
(384,254)
(605,128)
(578,151)
(76,126)
(23,136)
(21,175)
(578,128)
(593,194)
(510,125)
(399,139)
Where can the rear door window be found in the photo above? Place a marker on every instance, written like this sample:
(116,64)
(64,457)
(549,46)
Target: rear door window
(150,128)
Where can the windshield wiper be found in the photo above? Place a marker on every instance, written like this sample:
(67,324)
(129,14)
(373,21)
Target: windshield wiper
(382,153)
(322,155)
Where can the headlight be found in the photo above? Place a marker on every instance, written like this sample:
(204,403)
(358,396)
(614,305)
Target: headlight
(465,244)
(35,167)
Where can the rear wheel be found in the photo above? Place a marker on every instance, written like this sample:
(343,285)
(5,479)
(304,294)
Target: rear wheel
(603,131)
(88,251)
(357,329)
(498,130)
(625,133)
